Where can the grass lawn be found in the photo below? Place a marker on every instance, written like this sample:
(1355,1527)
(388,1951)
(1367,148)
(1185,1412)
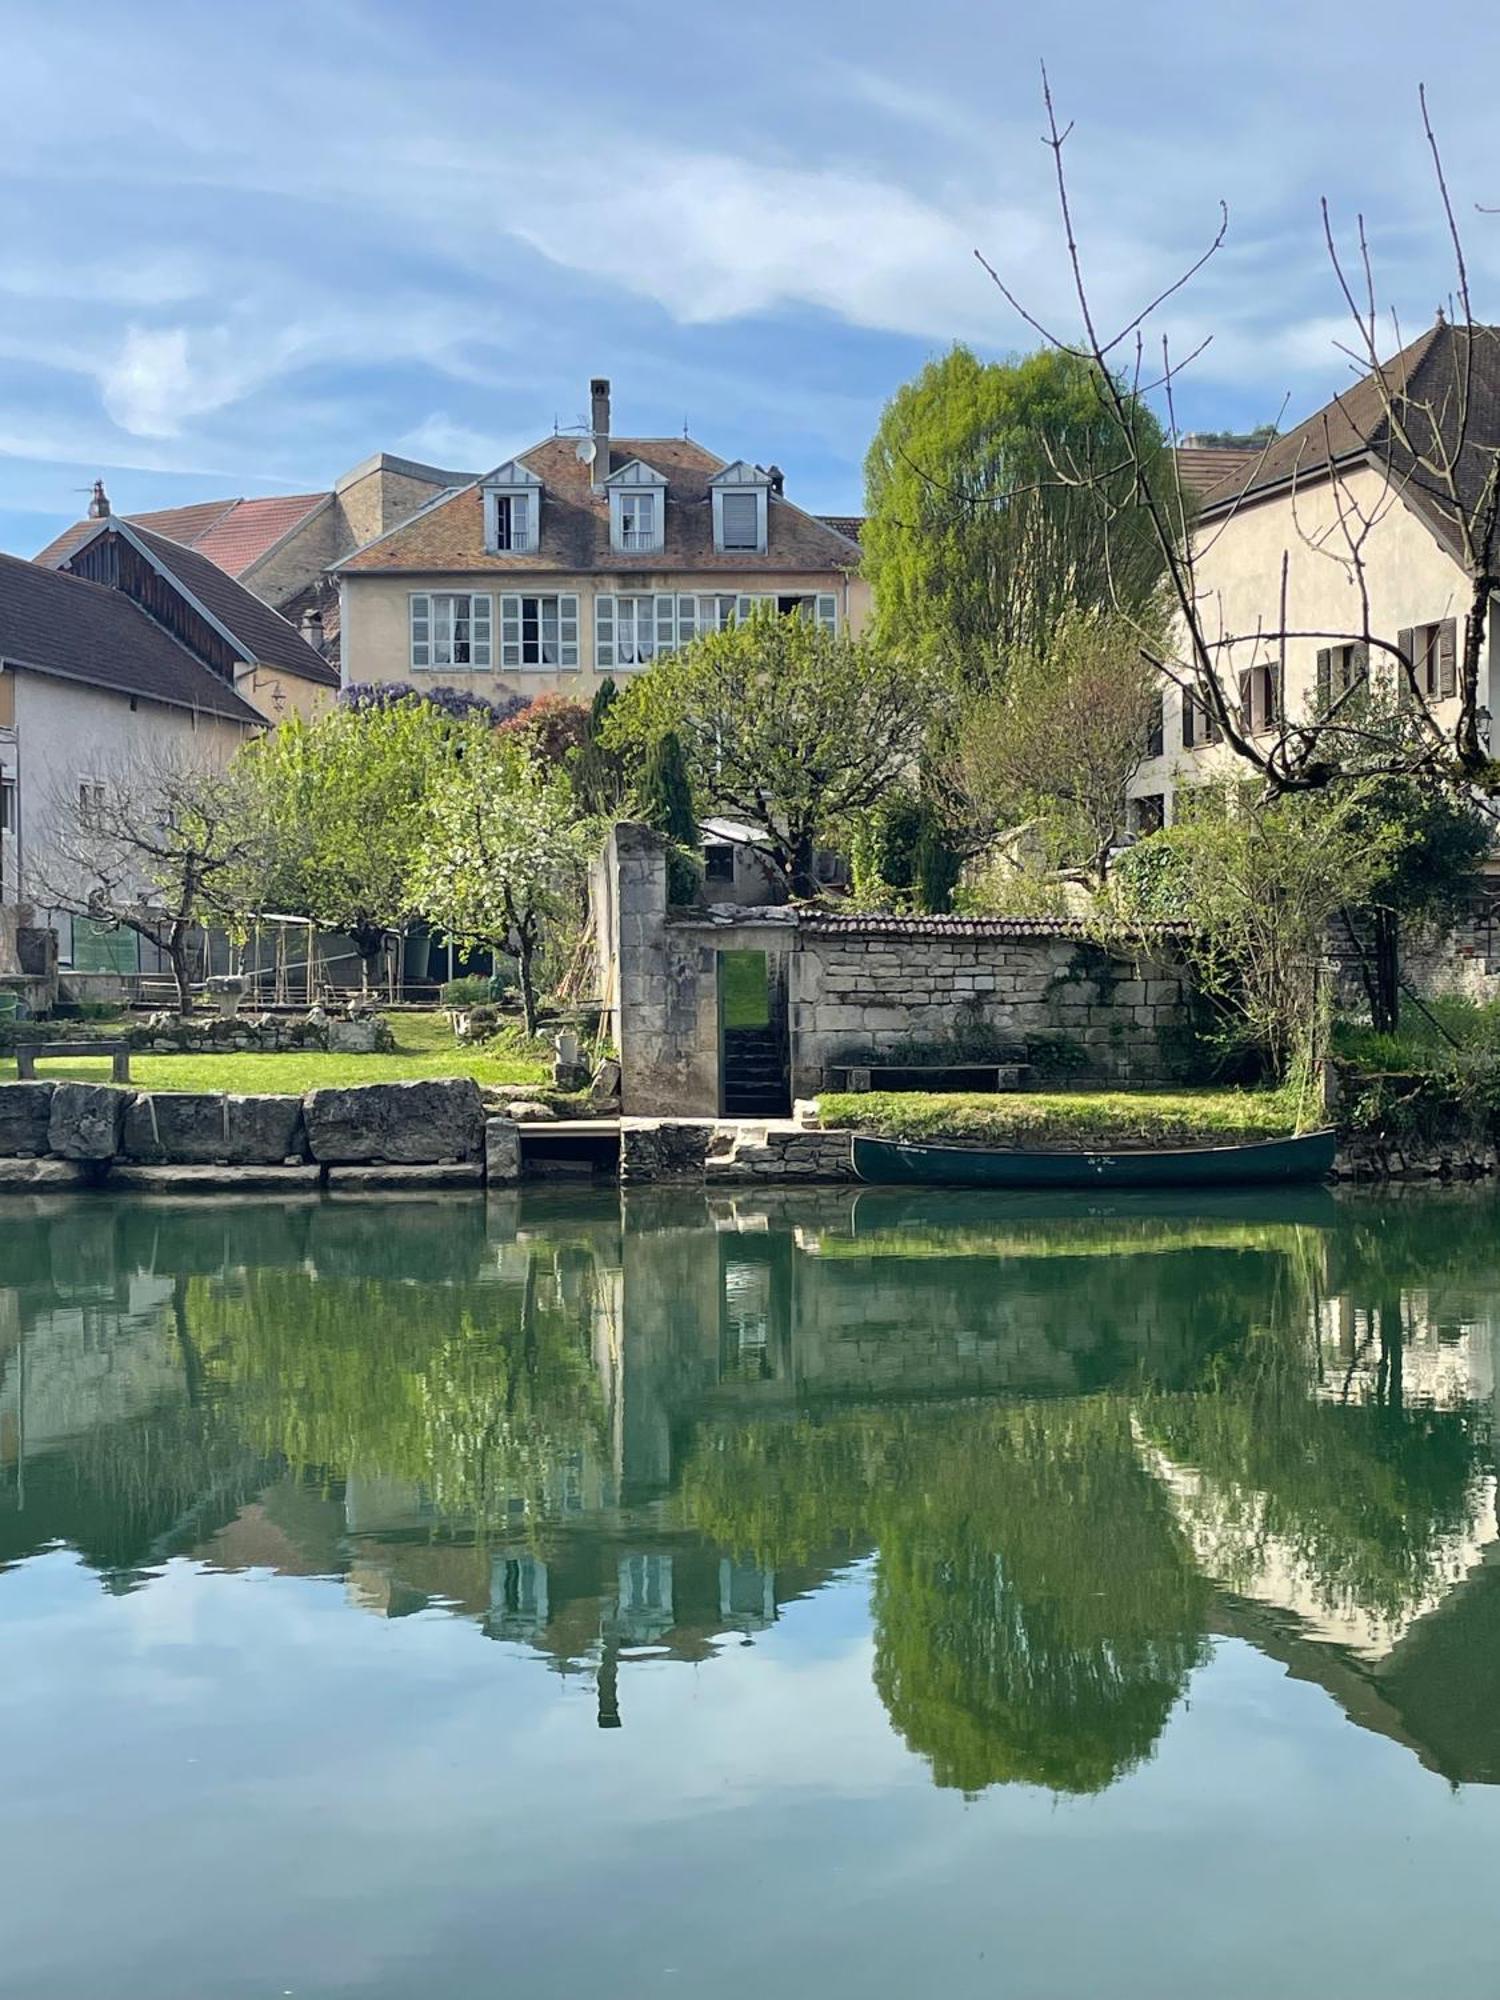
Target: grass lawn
(427,1048)
(1066,1118)
(742,989)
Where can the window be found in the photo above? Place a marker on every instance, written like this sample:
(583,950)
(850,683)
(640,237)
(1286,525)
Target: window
(1260,699)
(638,521)
(1340,668)
(741,519)
(8,886)
(539,631)
(90,796)
(633,631)
(512,521)
(451,629)
(1199,725)
(1147,814)
(1433,652)
(718,862)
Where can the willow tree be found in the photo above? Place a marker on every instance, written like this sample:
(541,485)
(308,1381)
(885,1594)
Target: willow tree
(998,498)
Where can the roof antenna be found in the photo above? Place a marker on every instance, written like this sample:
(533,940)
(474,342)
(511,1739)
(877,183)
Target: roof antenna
(684,427)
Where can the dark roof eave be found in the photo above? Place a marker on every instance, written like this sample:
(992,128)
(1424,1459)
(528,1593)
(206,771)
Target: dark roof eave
(242,711)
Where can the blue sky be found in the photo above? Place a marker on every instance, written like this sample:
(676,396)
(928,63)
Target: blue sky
(243,247)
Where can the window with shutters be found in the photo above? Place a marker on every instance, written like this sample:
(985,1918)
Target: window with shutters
(1147,814)
(1156,727)
(638,521)
(1433,652)
(1199,725)
(539,631)
(1260,699)
(451,629)
(633,631)
(741,518)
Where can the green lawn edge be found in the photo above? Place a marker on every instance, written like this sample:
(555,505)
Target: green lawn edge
(1109,1117)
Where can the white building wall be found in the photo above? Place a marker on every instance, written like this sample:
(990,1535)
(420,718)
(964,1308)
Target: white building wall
(1411,579)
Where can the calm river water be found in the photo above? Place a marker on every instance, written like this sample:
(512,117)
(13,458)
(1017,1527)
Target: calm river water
(820,1595)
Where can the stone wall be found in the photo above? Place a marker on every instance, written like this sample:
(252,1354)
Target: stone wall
(358,1033)
(863,987)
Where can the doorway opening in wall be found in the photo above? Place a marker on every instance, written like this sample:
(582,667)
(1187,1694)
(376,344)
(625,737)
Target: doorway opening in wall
(754,1079)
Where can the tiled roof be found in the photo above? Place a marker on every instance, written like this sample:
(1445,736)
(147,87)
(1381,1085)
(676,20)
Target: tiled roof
(233,533)
(850,526)
(1202,467)
(447,537)
(1426,381)
(833,924)
(263,633)
(65,625)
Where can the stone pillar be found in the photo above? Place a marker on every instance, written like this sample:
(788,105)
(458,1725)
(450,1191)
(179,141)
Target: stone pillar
(665,1002)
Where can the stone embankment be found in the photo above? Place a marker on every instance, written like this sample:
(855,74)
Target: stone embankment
(430,1133)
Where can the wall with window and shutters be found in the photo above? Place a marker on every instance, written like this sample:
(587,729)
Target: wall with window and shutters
(1412,581)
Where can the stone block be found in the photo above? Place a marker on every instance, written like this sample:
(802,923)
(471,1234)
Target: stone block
(502,1150)
(25,1112)
(182,1177)
(27,1176)
(207,1128)
(1163,992)
(418,1177)
(405,1123)
(86,1121)
(360,1037)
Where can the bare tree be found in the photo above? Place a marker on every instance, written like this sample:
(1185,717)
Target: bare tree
(1427,421)
(152,846)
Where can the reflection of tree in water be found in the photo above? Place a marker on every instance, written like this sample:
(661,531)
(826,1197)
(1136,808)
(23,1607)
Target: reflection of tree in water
(1036,1610)
(478,1393)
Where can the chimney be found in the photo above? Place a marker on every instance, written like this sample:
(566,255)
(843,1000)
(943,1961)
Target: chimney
(778,480)
(99,504)
(599,425)
(312,627)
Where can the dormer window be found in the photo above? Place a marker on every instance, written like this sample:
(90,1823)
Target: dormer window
(637,508)
(512,510)
(638,521)
(741,501)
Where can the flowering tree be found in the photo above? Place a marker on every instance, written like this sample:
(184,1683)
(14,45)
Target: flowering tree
(501,852)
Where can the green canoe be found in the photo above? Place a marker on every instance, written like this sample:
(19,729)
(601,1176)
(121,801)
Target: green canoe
(897,1163)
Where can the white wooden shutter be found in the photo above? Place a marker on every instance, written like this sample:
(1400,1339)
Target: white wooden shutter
(481,617)
(828,611)
(743,606)
(604,632)
(510,631)
(687,620)
(567,630)
(666,624)
(421,629)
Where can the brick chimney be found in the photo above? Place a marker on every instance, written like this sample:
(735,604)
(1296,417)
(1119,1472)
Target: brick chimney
(312,627)
(599,425)
(99,504)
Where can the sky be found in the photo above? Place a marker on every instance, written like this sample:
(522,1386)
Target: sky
(241,248)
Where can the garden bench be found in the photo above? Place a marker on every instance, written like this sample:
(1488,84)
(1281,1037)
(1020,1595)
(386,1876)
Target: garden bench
(26,1054)
(929,1076)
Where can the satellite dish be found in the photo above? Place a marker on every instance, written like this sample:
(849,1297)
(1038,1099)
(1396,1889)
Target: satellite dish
(588,451)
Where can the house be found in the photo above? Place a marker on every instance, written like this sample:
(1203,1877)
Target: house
(1282,522)
(92,675)
(280,547)
(586,557)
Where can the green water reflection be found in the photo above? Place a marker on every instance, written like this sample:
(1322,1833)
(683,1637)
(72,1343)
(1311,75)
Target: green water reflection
(1074,1442)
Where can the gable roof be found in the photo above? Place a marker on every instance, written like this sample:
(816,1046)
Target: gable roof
(1425,381)
(257,633)
(447,537)
(233,533)
(1203,467)
(55,623)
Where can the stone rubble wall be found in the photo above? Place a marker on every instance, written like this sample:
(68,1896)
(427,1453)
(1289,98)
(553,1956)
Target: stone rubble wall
(211,1034)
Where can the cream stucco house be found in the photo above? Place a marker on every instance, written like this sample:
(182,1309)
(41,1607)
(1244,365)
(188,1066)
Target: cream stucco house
(1287,521)
(586,557)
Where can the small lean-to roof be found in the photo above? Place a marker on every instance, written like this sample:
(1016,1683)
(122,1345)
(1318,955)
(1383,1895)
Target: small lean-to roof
(447,537)
(55,623)
(1444,390)
(1204,467)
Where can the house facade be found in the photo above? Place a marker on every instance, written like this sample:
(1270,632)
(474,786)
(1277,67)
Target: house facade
(587,557)
(91,680)
(1272,550)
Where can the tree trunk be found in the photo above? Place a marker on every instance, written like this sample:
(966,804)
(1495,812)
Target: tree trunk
(525,953)
(803,879)
(1385,993)
(177,954)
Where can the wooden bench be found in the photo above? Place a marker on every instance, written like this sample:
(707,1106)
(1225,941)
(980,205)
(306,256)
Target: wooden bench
(26,1054)
(929,1076)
